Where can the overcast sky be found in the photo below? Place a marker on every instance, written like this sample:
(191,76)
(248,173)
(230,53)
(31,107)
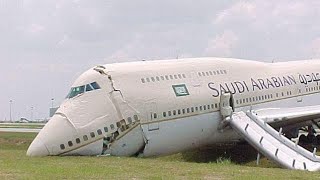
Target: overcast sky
(46,44)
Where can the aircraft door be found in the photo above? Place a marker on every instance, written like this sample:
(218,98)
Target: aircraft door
(152,115)
(226,104)
(299,97)
(195,80)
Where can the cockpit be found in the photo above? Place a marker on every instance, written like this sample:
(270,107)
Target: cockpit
(82,89)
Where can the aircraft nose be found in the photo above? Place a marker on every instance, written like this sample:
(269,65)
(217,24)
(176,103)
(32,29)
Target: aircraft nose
(37,148)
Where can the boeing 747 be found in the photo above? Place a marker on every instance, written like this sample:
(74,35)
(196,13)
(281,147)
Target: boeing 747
(153,108)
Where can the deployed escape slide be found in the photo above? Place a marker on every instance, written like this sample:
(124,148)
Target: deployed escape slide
(272,143)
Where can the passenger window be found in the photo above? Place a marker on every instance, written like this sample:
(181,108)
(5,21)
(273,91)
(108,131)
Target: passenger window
(112,126)
(162,78)
(212,106)
(183,111)
(225,71)
(199,73)
(88,88)
(99,131)
(62,146)
(171,77)
(78,141)
(105,129)
(169,113)
(192,109)
(204,107)
(158,79)
(210,73)
(174,112)
(216,105)
(152,79)
(164,114)
(95,85)
(118,124)
(208,107)
(200,108)
(179,75)
(92,134)
(203,74)
(129,120)
(214,72)
(188,110)
(167,78)
(142,80)
(155,115)
(207,73)
(183,75)
(175,76)
(221,71)
(85,138)
(135,117)
(196,108)
(70,143)
(179,111)
(148,80)
(218,72)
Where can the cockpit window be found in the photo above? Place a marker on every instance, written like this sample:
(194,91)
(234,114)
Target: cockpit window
(88,87)
(76,91)
(82,89)
(95,85)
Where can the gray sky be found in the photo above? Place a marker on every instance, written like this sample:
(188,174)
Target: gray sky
(46,44)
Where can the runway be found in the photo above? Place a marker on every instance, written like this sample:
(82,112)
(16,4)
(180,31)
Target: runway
(19,130)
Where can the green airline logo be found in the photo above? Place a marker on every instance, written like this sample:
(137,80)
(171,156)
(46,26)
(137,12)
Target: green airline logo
(180,90)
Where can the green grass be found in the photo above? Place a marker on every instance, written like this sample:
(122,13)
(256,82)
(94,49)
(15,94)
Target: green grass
(215,163)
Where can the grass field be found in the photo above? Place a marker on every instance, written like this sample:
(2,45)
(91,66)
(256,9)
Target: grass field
(236,163)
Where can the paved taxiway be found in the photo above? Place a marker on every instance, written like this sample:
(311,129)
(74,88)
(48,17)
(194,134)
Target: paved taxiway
(19,130)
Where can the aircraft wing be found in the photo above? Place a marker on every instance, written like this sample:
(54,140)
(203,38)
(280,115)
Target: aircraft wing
(289,117)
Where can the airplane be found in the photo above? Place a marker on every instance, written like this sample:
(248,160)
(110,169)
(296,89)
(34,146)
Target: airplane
(161,107)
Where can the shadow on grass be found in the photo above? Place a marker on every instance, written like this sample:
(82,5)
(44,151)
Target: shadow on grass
(239,154)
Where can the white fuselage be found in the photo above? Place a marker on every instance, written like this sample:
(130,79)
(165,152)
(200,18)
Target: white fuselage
(162,107)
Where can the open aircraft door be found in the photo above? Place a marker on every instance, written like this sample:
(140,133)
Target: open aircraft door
(226,104)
